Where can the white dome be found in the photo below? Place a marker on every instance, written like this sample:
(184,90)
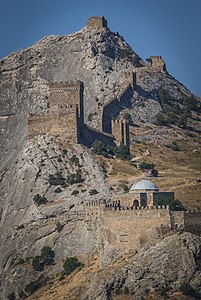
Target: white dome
(144,185)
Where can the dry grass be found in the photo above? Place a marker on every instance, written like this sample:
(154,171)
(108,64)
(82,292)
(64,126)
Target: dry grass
(179,171)
(69,288)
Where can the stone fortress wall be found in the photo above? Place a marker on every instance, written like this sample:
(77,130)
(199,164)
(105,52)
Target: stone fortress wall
(65,112)
(123,226)
(65,117)
(132,227)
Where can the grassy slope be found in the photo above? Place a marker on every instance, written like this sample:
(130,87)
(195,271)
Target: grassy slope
(179,171)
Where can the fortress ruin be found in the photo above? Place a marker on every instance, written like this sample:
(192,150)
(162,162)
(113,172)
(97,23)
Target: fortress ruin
(65,117)
(128,220)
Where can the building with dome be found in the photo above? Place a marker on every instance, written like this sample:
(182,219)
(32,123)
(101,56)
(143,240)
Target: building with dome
(145,193)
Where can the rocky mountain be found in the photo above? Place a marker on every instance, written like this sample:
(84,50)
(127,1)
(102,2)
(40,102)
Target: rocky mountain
(46,180)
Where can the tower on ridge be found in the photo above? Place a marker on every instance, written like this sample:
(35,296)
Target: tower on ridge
(97,22)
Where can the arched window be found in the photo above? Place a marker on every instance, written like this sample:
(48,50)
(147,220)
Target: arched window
(135,203)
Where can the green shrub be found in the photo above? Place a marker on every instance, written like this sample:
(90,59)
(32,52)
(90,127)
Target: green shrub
(164,289)
(90,116)
(146,166)
(75,192)
(64,152)
(22,295)
(126,290)
(124,187)
(47,254)
(99,148)
(122,152)
(70,264)
(75,160)
(59,227)
(174,146)
(20,262)
(187,290)
(75,177)
(56,179)
(58,190)
(37,263)
(174,204)
(20,227)
(128,117)
(33,286)
(39,200)
(93,192)
(45,259)
(11,296)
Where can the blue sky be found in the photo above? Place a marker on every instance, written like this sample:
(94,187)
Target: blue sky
(170,28)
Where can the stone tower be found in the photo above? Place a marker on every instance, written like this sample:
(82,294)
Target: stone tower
(157,63)
(65,116)
(97,22)
(120,131)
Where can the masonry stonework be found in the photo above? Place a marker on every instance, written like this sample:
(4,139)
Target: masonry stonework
(120,131)
(131,228)
(158,63)
(97,22)
(65,113)
(65,117)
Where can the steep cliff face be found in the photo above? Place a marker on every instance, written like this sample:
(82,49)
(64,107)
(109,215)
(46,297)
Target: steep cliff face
(155,272)
(104,62)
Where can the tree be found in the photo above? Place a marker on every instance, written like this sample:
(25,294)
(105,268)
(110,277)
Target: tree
(70,264)
(38,263)
(174,204)
(45,259)
(59,226)
(39,200)
(47,255)
(56,179)
(99,147)
(146,166)
(122,152)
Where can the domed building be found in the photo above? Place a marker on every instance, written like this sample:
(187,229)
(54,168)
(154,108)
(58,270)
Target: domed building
(146,193)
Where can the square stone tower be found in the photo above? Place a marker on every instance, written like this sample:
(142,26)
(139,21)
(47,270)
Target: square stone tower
(97,22)
(65,117)
(120,131)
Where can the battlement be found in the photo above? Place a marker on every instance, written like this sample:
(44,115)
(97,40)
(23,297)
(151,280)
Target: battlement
(97,22)
(115,206)
(120,131)
(70,86)
(119,121)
